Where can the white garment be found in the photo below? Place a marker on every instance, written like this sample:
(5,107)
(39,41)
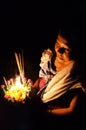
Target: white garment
(62,82)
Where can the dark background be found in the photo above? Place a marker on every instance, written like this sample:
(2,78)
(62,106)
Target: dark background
(32,27)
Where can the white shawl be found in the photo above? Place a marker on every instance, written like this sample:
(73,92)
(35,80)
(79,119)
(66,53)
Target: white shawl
(62,82)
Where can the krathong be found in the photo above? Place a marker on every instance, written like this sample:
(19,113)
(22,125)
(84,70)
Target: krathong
(17,89)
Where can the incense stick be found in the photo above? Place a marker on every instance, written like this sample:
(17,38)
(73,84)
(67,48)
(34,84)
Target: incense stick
(20,63)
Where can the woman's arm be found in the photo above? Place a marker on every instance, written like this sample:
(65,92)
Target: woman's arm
(36,84)
(68,110)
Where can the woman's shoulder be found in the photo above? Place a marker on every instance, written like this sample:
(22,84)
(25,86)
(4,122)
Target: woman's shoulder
(66,98)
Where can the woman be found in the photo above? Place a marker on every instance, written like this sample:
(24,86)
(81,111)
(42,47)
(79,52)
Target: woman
(64,96)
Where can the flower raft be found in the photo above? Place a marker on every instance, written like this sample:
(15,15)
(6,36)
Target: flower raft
(17,90)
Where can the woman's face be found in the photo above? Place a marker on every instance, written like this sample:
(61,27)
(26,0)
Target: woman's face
(63,52)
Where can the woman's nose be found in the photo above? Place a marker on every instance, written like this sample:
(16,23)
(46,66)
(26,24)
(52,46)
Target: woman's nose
(61,50)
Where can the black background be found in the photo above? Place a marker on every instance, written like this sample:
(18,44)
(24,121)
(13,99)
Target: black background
(32,27)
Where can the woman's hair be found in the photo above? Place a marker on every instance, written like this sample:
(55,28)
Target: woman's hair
(76,39)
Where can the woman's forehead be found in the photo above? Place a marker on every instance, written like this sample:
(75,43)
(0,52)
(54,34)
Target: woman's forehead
(61,40)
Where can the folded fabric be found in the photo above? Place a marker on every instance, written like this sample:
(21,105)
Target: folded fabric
(63,81)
